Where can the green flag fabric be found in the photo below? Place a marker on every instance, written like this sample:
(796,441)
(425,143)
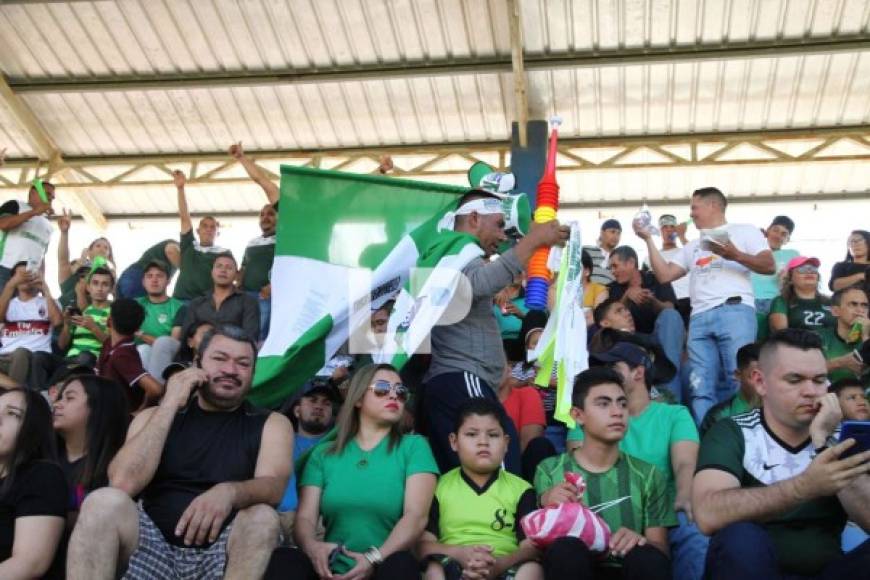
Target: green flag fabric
(335,230)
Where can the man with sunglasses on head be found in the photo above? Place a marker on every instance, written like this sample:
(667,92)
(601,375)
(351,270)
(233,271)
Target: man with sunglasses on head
(26,230)
(468,357)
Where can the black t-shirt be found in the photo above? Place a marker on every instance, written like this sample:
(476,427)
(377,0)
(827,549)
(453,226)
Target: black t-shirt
(846,269)
(203,449)
(644,315)
(39,489)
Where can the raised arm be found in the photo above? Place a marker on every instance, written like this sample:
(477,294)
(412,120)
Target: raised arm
(12,221)
(136,462)
(64,266)
(664,271)
(255,172)
(180,180)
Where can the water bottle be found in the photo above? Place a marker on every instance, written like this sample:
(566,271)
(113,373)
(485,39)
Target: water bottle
(643,219)
(856,332)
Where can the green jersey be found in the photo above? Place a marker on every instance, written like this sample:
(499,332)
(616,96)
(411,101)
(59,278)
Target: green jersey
(196,262)
(834,347)
(257,263)
(637,488)
(650,436)
(85,340)
(464,514)
(813,314)
(363,492)
(806,537)
(160,317)
(736,405)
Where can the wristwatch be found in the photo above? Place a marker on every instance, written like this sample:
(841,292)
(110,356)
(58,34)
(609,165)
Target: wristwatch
(373,556)
(829,442)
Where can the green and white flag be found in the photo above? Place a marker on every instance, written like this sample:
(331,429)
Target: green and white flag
(347,243)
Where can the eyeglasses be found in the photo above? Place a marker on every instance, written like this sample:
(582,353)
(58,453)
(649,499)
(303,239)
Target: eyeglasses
(382,389)
(807,269)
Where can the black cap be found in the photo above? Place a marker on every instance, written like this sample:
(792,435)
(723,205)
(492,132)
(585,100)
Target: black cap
(159,264)
(610,345)
(611,224)
(784,221)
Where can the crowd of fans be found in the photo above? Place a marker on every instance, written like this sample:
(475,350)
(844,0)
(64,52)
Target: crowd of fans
(706,428)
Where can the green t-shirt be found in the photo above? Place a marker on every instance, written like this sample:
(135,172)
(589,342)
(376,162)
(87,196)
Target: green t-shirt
(160,317)
(735,405)
(813,314)
(805,538)
(508,324)
(85,340)
(257,263)
(639,488)
(194,279)
(468,516)
(650,436)
(362,492)
(834,347)
(158,252)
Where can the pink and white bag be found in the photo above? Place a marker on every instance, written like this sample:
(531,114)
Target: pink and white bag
(572,519)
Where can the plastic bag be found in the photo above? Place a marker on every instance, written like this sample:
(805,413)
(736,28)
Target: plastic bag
(572,519)
(644,221)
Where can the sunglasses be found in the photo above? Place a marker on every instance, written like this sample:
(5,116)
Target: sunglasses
(383,389)
(807,269)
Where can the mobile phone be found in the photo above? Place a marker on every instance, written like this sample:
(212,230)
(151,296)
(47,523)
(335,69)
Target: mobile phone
(333,556)
(74,311)
(860,432)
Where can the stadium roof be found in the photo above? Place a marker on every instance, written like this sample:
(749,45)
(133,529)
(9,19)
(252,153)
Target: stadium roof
(768,99)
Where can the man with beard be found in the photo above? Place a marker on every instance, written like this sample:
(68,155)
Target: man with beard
(254,275)
(159,336)
(313,414)
(207,467)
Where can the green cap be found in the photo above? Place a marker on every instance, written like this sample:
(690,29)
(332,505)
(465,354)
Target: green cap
(39,186)
(477,172)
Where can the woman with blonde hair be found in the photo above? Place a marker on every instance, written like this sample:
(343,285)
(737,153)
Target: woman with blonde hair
(372,485)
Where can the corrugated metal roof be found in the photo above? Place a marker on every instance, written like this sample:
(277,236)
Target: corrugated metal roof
(86,40)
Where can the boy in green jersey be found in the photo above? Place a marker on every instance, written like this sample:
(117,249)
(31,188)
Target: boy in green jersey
(474,523)
(630,495)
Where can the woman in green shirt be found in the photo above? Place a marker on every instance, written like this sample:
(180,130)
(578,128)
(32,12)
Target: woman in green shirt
(372,485)
(800,304)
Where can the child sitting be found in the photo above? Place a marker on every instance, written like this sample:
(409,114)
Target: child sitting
(474,522)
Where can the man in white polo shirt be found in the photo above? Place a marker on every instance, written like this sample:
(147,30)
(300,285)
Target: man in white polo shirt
(719,265)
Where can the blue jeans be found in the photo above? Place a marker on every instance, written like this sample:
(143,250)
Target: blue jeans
(715,336)
(265,313)
(130,283)
(745,551)
(671,334)
(688,549)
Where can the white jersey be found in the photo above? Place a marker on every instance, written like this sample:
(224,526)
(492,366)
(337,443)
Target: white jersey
(27,326)
(26,243)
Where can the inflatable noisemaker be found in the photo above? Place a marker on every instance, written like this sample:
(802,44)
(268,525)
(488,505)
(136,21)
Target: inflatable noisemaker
(539,276)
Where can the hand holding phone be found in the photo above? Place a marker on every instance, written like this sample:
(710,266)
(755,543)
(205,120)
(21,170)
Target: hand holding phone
(860,432)
(182,384)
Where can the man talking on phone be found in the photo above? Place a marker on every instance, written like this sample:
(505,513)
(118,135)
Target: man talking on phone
(773,486)
(209,469)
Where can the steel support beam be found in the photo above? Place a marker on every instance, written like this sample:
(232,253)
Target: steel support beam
(732,199)
(478,65)
(521,102)
(50,155)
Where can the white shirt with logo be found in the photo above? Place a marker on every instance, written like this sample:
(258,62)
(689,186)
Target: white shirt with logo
(27,326)
(712,278)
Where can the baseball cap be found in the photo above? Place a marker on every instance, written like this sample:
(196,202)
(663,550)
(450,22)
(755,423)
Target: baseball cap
(611,224)
(800,261)
(667,220)
(159,264)
(610,345)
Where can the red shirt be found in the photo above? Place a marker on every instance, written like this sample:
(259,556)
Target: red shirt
(122,364)
(524,407)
